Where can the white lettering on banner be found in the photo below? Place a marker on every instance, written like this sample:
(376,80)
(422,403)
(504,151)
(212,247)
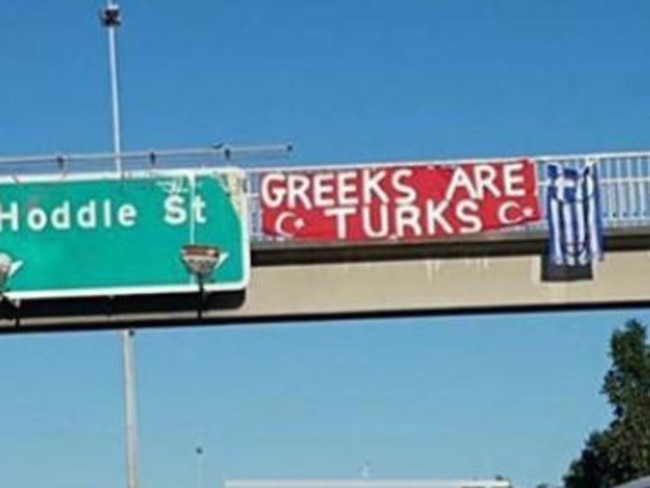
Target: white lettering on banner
(273,198)
(485,174)
(298,187)
(514,180)
(467,212)
(407,193)
(375,229)
(407,217)
(371,186)
(324,190)
(340,214)
(460,181)
(435,215)
(401,201)
(483,181)
(386,221)
(347,189)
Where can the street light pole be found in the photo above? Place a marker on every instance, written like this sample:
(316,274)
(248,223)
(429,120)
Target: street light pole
(131,410)
(111,19)
(199,466)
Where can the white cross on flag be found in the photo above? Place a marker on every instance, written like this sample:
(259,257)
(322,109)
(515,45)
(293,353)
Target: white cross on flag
(574,216)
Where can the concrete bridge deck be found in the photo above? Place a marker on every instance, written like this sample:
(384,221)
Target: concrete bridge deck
(299,282)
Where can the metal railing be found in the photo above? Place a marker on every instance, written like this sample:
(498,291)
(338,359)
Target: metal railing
(217,155)
(624,177)
(624,180)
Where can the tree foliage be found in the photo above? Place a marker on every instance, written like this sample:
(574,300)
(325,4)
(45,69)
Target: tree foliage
(621,452)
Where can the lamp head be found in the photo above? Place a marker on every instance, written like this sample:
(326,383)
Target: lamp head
(6,269)
(110,16)
(200,260)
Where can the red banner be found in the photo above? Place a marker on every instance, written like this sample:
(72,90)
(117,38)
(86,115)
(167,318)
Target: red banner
(399,202)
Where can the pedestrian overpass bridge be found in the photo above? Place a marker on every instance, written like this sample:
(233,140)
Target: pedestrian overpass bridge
(483,273)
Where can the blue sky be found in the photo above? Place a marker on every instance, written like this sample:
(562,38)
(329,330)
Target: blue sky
(343,80)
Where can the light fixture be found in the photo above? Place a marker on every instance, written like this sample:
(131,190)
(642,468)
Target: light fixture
(201,260)
(110,15)
(8,267)
(5,269)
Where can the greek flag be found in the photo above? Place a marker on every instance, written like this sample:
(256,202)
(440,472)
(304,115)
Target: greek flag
(574,217)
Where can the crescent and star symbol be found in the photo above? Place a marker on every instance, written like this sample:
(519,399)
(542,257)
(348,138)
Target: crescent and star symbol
(286,221)
(513,213)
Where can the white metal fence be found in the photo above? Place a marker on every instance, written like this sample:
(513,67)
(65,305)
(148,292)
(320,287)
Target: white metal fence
(624,177)
(624,185)
(624,180)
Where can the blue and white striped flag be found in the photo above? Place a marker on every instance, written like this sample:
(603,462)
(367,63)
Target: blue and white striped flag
(574,217)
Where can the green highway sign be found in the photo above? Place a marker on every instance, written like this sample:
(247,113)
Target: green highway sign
(103,235)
